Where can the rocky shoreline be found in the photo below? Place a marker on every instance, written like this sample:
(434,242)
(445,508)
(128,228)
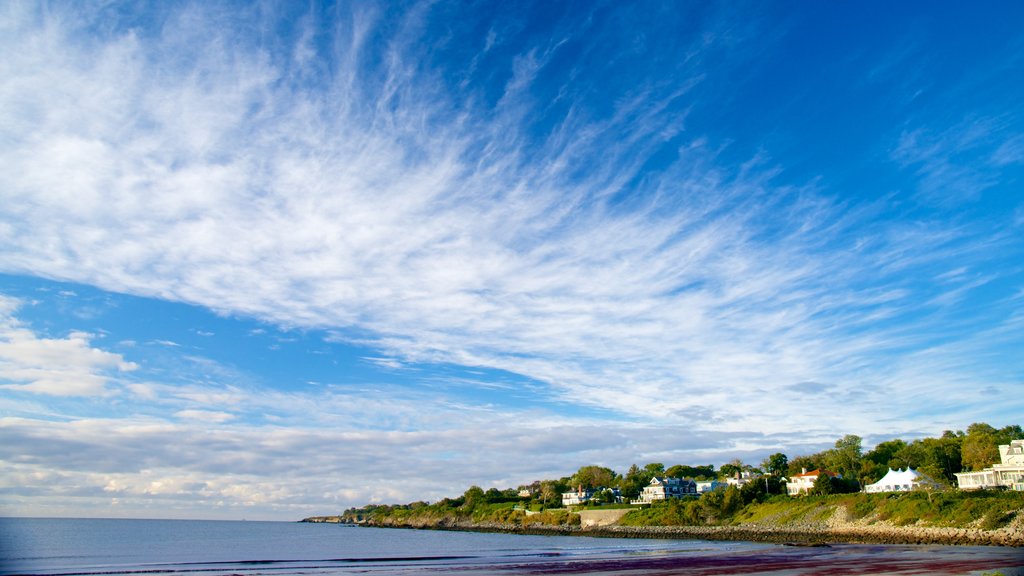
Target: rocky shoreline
(833,531)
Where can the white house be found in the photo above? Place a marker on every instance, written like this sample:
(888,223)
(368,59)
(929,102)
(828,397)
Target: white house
(803,482)
(902,481)
(577,497)
(708,485)
(665,488)
(582,496)
(1009,473)
(740,479)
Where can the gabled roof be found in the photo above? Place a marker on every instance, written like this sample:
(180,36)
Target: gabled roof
(814,473)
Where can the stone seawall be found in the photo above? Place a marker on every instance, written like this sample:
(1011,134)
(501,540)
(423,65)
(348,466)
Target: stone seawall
(876,534)
(797,534)
(591,518)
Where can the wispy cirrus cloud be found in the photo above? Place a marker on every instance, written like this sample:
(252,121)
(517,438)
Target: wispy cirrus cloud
(437,232)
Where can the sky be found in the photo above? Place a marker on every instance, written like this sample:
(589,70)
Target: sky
(276,259)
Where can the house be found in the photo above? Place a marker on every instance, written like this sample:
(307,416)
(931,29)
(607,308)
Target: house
(708,485)
(803,482)
(576,497)
(1009,473)
(665,488)
(740,479)
(902,481)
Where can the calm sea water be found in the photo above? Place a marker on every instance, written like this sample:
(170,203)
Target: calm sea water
(85,547)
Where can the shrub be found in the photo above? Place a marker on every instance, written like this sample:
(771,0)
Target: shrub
(995,519)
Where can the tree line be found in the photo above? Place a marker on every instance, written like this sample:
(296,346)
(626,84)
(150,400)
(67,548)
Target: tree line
(939,457)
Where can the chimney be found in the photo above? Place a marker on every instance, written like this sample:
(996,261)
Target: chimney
(803,470)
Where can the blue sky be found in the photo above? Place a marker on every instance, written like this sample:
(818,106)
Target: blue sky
(277,260)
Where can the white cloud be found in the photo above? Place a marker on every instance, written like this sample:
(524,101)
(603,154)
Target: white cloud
(210,416)
(67,366)
(382,207)
(286,473)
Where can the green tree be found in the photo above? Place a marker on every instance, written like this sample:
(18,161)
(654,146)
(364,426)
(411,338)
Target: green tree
(943,457)
(777,464)
(845,457)
(551,492)
(593,477)
(731,468)
(760,488)
(698,472)
(633,482)
(812,462)
(823,485)
(884,452)
(980,447)
(1007,434)
(711,504)
(732,502)
(654,469)
(473,497)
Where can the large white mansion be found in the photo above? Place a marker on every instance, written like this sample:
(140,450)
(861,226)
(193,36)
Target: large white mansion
(1007,474)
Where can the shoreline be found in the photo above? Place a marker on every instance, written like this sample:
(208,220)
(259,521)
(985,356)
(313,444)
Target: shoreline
(798,536)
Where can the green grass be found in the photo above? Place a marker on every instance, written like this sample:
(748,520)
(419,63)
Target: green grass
(988,510)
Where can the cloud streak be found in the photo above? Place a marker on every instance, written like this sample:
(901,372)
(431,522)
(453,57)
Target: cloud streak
(379,208)
(358,174)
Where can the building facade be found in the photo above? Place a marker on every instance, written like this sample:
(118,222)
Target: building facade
(576,497)
(708,485)
(665,488)
(803,482)
(1008,474)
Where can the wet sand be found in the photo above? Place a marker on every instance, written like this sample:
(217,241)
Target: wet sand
(789,561)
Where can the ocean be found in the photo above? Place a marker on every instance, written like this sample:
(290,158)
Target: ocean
(89,547)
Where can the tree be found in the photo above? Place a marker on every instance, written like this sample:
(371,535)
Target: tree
(706,472)
(980,447)
(777,464)
(633,482)
(823,485)
(884,452)
(473,497)
(845,458)
(731,468)
(943,457)
(732,501)
(551,492)
(760,488)
(1007,434)
(800,463)
(593,477)
(654,469)
(711,504)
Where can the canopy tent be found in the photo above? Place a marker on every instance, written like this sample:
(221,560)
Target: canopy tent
(902,481)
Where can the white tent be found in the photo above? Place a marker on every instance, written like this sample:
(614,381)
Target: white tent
(901,481)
